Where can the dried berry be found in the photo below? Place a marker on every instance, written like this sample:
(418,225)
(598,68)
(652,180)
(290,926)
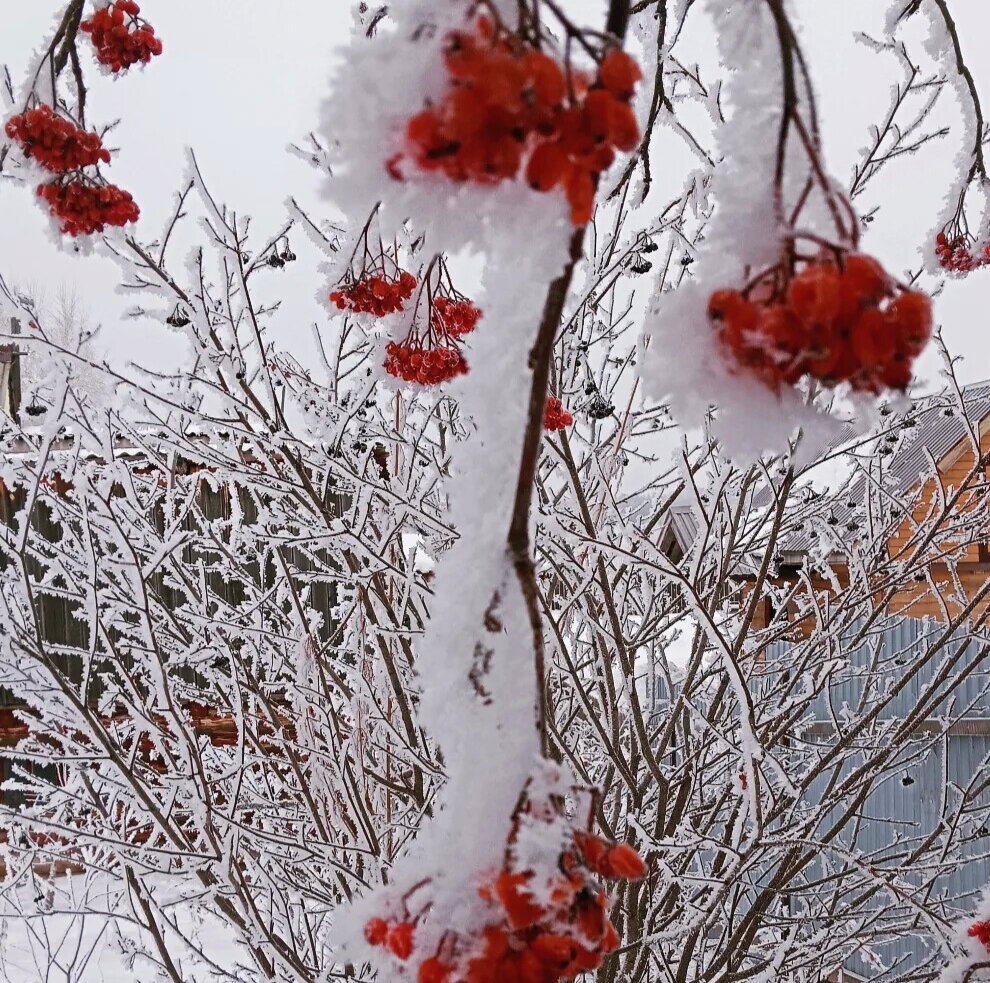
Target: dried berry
(600,408)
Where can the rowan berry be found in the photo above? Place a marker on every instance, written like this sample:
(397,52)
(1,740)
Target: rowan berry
(121,38)
(980,930)
(956,256)
(872,337)
(426,366)
(432,970)
(400,940)
(813,295)
(555,417)
(529,930)
(910,316)
(835,324)
(453,317)
(625,863)
(513,894)
(55,142)
(376,931)
(619,73)
(547,166)
(374,293)
(625,128)
(510,107)
(85,208)
(863,283)
(580,186)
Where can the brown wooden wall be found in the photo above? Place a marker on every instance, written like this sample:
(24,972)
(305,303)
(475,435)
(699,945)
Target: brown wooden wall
(968,556)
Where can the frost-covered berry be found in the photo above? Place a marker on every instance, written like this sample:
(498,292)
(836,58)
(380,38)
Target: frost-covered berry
(85,207)
(555,417)
(837,322)
(509,108)
(373,293)
(56,143)
(120,37)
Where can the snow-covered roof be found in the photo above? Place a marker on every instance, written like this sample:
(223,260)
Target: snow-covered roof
(936,426)
(939,428)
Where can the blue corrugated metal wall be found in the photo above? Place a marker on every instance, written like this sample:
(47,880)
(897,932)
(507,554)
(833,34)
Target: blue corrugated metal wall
(924,792)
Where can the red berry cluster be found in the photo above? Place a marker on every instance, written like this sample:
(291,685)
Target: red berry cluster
(375,293)
(508,101)
(397,937)
(84,203)
(955,255)
(427,366)
(433,356)
(55,142)
(86,207)
(981,931)
(836,322)
(541,930)
(587,137)
(555,417)
(454,316)
(120,37)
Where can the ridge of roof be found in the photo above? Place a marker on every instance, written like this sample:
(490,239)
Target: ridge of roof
(937,429)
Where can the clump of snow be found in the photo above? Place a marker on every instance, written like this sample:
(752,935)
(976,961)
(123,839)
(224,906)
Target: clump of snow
(384,80)
(475,661)
(938,45)
(681,360)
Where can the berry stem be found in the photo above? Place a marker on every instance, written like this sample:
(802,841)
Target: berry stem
(65,34)
(790,98)
(540,357)
(979,166)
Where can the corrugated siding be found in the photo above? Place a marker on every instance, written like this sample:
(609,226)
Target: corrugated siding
(877,665)
(931,777)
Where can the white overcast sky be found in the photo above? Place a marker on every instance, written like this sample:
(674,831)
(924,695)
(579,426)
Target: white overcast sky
(240,80)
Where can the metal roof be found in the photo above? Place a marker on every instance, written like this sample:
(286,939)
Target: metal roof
(930,430)
(940,427)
